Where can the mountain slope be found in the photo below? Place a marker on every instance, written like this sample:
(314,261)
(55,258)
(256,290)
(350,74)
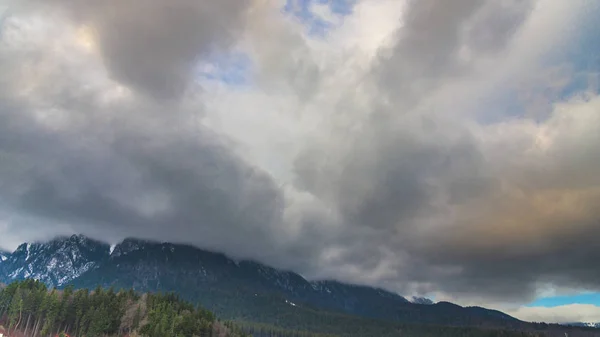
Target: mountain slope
(586,324)
(210,278)
(234,289)
(55,263)
(3,256)
(421,300)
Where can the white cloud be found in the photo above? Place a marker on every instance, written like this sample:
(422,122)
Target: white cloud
(570,313)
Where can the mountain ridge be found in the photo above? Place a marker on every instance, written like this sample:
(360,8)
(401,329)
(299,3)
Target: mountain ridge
(131,244)
(56,262)
(584,324)
(232,288)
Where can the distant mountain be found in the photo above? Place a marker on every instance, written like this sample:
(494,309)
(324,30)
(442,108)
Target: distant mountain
(587,325)
(234,289)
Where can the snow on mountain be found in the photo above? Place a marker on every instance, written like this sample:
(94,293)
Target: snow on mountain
(55,263)
(585,324)
(421,300)
(213,279)
(127,246)
(3,256)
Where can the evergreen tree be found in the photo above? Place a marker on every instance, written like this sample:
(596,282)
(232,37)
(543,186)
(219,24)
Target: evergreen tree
(29,307)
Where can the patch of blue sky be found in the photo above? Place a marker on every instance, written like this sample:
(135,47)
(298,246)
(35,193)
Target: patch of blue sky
(233,69)
(582,54)
(500,107)
(316,25)
(585,59)
(583,298)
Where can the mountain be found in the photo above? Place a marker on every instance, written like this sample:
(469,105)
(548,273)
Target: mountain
(582,324)
(421,300)
(226,286)
(56,262)
(244,290)
(127,313)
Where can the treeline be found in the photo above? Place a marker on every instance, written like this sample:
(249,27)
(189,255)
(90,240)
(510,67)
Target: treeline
(34,310)
(367,328)
(265,330)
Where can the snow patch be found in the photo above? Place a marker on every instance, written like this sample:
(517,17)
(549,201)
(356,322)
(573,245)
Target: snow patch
(52,263)
(73,255)
(112,249)
(28,251)
(15,273)
(290,303)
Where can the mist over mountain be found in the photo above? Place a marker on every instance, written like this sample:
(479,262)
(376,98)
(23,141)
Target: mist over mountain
(215,280)
(242,289)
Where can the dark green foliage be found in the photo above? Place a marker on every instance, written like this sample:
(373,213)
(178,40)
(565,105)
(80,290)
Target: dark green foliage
(29,307)
(170,316)
(253,292)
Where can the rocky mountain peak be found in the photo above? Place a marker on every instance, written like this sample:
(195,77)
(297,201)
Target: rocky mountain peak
(55,262)
(421,300)
(130,245)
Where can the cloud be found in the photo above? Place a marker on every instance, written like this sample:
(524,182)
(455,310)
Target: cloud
(450,199)
(87,148)
(571,313)
(154,45)
(370,154)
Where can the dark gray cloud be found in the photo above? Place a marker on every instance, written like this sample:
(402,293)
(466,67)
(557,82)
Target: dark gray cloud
(134,167)
(496,23)
(132,179)
(103,132)
(155,45)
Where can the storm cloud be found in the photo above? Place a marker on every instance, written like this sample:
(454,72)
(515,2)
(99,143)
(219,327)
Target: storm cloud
(400,153)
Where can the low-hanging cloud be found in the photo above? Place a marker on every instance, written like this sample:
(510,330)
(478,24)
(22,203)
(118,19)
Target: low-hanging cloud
(570,313)
(385,166)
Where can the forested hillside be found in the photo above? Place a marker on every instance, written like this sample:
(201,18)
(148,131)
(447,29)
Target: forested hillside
(29,308)
(33,310)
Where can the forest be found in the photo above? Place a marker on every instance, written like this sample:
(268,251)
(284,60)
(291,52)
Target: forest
(33,310)
(29,308)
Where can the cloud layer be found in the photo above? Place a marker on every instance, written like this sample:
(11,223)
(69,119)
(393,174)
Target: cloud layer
(417,146)
(571,313)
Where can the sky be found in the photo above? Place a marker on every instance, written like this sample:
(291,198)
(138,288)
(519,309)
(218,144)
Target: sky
(432,148)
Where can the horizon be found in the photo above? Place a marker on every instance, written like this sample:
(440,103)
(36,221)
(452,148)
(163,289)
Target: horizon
(430,149)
